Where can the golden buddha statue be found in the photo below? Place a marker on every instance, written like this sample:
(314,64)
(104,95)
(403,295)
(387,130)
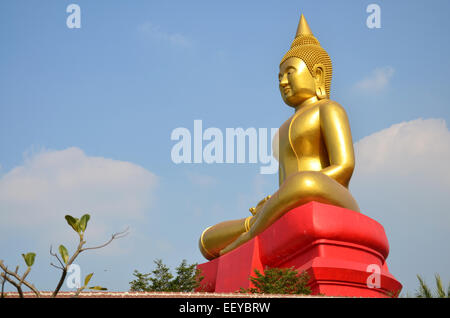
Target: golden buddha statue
(316,158)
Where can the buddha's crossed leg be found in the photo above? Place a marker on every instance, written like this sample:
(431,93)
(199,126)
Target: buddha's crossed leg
(296,190)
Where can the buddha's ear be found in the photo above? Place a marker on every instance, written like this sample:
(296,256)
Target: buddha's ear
(319,79)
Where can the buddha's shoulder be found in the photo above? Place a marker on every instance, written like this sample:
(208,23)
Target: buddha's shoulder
(328,104)
(330,107)
(324,106)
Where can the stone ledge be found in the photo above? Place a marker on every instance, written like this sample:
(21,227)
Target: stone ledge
(48,294)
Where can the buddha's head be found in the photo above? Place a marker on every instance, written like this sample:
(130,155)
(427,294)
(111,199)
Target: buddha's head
(305,70)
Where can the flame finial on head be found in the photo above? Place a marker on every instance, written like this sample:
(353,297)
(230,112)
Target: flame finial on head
(303,27)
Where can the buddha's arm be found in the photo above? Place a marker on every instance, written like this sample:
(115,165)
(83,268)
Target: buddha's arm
(338,140)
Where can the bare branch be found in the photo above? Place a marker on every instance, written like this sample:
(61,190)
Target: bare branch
(2,295)
(25,275)
(56,255)
(113,237)
(16,276)
(3,286)
(56,266)
(5,269)
(78,251)
(61,281)
(12,282)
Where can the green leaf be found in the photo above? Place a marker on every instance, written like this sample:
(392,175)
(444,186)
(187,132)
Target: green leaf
(424,290)
(64,253)
(98,288)
(83,222)
(87,279)
(439,287)
(29,258)
(73,222)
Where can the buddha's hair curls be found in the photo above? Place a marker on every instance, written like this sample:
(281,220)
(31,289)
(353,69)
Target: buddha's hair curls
(308,49)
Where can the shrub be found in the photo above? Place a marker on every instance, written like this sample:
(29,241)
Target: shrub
(279,281)
(161,280)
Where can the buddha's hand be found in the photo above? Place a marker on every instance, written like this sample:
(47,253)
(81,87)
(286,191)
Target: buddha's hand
(247,235)
(259,206)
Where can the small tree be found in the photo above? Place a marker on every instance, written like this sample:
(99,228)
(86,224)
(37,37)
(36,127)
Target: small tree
(79,226)
(15,279)
(161,280)
(141,281)
(279,281)
(188,278)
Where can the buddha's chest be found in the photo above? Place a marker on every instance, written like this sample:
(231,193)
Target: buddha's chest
(300,135)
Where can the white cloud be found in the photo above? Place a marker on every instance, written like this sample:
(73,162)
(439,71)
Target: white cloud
(155,32)
(419,147)
(406,166)
(35,196)
(377,81)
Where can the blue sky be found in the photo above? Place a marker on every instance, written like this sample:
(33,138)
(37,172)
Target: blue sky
(86,117)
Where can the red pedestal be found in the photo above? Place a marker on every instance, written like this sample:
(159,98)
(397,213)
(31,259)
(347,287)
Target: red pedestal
(344,253)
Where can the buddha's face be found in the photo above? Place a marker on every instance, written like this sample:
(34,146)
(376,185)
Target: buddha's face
(296,82)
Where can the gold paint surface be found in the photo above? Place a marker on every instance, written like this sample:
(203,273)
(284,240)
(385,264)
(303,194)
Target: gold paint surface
(316,158)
